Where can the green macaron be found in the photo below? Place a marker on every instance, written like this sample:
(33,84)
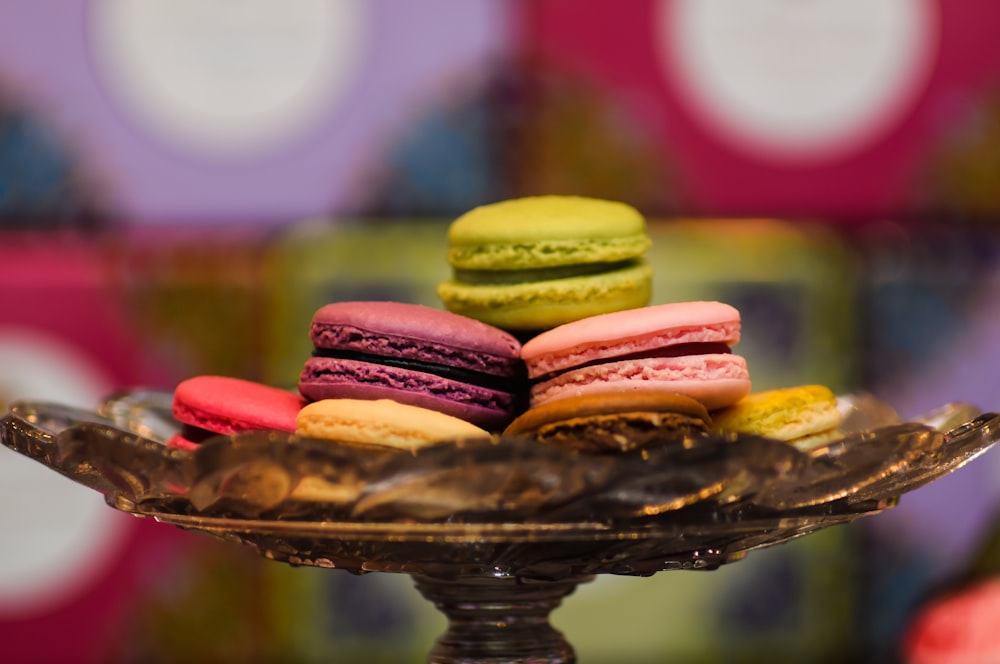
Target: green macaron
(537,262)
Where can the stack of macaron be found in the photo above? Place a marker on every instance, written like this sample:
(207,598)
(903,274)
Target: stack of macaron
(655,368)
(531,264)
(407,375)
(546,332)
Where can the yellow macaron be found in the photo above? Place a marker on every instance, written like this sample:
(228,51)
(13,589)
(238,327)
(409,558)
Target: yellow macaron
(806,416)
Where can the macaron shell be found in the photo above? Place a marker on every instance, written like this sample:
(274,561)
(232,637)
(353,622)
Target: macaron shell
(811,443)
(630,331)
(619,432)
(545,218)
(179,442)
(327,378)
(716,380)
(382,422)
(784,413)
(542,305)
(547,254)
(226,405)
(615,403)
(415,331)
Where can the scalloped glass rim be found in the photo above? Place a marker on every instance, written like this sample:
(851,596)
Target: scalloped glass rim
(117,450)
(686,501)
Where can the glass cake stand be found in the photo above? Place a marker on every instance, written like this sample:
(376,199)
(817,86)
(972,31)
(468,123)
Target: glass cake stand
(496,533)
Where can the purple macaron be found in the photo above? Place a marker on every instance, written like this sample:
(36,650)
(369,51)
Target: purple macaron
(416,355)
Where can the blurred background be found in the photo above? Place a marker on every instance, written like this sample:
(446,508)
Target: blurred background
(183,182)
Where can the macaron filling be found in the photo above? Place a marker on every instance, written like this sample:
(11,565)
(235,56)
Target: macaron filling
(502,277)
(678,350)
(517,253)
(198,435)
(509,383)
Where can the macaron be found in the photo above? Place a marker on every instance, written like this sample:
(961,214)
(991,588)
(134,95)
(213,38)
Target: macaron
(955,625)
(682,347)
(415,355)
(531,264)
(616,422)
(805,416)
(382,422)
(208,405)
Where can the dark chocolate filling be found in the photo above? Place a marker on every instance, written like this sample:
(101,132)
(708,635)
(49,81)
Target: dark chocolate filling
(678,350)
(502,277)
(196,434)
(511,384)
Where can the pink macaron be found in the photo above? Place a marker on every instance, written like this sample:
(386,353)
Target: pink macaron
(214,405)
(682,347)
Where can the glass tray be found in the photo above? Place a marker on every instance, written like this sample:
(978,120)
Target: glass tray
(484,526)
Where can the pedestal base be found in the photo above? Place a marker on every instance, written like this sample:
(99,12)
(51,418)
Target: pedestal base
(496,620)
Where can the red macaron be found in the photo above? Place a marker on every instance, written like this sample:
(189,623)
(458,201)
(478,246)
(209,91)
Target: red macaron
(220,405)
